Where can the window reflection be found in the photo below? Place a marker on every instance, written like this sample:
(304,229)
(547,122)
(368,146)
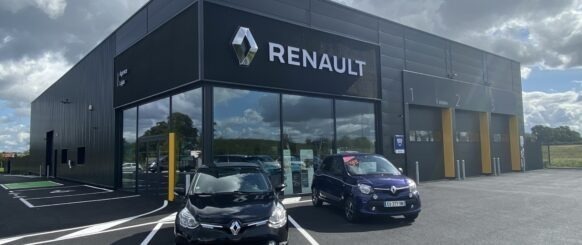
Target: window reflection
(247,128)
(152,154)
(356,127)
(186,123)
(129,163)
(307,139)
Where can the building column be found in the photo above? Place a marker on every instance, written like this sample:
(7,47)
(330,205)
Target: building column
(484,120)
(514,143)
(448,142)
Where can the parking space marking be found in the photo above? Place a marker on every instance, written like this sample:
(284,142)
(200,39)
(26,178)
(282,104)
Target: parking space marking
(11,239)
(72,195)
(294,200)
(4,187)
(303,232)
(169,218)
(97,200)
(107,225)
(49,188)
(26,203)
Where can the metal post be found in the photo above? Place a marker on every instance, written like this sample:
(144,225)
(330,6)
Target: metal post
(458,170)
(40,170)
(494,167)
(463,165)
(498,166)
(417,173)
(549,157)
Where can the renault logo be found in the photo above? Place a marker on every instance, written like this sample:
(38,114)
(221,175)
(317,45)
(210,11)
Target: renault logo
(393,189)
(235,227)
(244,46)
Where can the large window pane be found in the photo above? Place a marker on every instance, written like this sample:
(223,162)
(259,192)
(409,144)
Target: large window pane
(129,137)
(307,138)
(153,131)
(186,122)
(247,128)
(356,127)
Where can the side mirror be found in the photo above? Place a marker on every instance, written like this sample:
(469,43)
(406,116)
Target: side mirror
(401,170)
(280,188)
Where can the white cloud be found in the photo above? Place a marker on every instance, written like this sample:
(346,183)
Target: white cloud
(14,137)
(24,79)
(578,82)
(553,109)
(525,71)
(53,8)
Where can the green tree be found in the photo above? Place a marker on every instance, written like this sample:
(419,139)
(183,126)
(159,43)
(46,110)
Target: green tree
(562,134)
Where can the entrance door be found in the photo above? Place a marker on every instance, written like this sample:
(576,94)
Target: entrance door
(468,141)
(500,141)
(153,161)
(49,155)
(425,144)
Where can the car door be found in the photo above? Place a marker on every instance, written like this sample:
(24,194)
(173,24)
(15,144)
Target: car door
(336,179)
(321,180)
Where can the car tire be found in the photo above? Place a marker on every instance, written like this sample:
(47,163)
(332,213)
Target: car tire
(317,202)
(350,212)
(411,217)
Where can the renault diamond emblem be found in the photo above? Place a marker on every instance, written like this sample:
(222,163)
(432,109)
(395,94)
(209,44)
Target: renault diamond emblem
(244,46)
(235,227)
(393,189)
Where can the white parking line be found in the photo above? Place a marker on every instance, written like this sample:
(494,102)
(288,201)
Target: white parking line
(11,239)
(4,187)
(303,232)
(98,188)
(26,203)
(168,219)
(72,195)
(49,188)
(97,200)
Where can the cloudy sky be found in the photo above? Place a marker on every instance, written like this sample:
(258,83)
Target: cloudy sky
(41,39)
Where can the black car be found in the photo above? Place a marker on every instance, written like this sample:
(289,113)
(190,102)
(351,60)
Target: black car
(365,184)
(232,203)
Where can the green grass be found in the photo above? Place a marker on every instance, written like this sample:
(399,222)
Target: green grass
(569,156)
(28,185)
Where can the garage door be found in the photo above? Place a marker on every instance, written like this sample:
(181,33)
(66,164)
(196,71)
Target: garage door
(467,141)
(425,143)
(500,141)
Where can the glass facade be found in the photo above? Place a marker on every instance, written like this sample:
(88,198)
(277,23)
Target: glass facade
(129,143)
(247,129)
(307,139)
(356,126)
(288,135)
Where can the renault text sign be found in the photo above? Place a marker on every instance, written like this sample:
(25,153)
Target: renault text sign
(311,59)
(242,48)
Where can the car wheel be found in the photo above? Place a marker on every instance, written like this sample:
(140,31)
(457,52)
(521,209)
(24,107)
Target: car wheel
(411,217)
(350,211)
(315,198)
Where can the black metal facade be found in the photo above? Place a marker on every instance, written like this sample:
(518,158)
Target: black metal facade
(413,68)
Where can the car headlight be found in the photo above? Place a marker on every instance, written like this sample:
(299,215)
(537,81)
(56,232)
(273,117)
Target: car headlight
(278,218)
(366,189)
(187,220)
(412,187)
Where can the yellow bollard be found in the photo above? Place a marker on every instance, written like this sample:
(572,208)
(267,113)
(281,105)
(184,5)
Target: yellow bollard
(171,166)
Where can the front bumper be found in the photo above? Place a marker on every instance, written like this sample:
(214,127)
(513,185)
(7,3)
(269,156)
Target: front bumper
(367,205)
(262,234)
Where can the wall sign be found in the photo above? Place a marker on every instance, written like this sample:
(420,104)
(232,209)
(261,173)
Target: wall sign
(249,49)
(399,144)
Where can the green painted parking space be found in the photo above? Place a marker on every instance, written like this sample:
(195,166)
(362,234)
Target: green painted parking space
(28,185)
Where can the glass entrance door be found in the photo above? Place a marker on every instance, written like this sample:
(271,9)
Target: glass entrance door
(152,177)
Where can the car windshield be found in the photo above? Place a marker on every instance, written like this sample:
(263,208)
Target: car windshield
(230,180)
(369,164)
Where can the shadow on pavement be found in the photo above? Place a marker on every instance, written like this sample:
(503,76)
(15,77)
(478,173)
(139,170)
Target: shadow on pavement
(330,219)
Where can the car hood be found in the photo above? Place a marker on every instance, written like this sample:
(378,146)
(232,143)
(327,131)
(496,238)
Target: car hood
(223,208)
(383,181)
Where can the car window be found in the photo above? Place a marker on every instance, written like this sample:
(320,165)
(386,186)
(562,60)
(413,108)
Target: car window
(337,166)
(326,165)
(230,180)
(368,164)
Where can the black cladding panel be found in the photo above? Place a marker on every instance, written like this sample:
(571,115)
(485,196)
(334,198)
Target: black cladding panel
(221,62)
(165,59)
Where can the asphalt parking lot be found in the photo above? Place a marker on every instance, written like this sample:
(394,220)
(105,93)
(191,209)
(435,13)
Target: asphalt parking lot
(538,207)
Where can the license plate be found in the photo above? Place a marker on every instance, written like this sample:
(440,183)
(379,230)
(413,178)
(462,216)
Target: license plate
(393,204)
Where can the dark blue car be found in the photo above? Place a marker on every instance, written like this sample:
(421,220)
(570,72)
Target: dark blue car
(365,184)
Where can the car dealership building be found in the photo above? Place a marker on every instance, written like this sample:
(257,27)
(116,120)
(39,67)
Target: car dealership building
(279,82)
